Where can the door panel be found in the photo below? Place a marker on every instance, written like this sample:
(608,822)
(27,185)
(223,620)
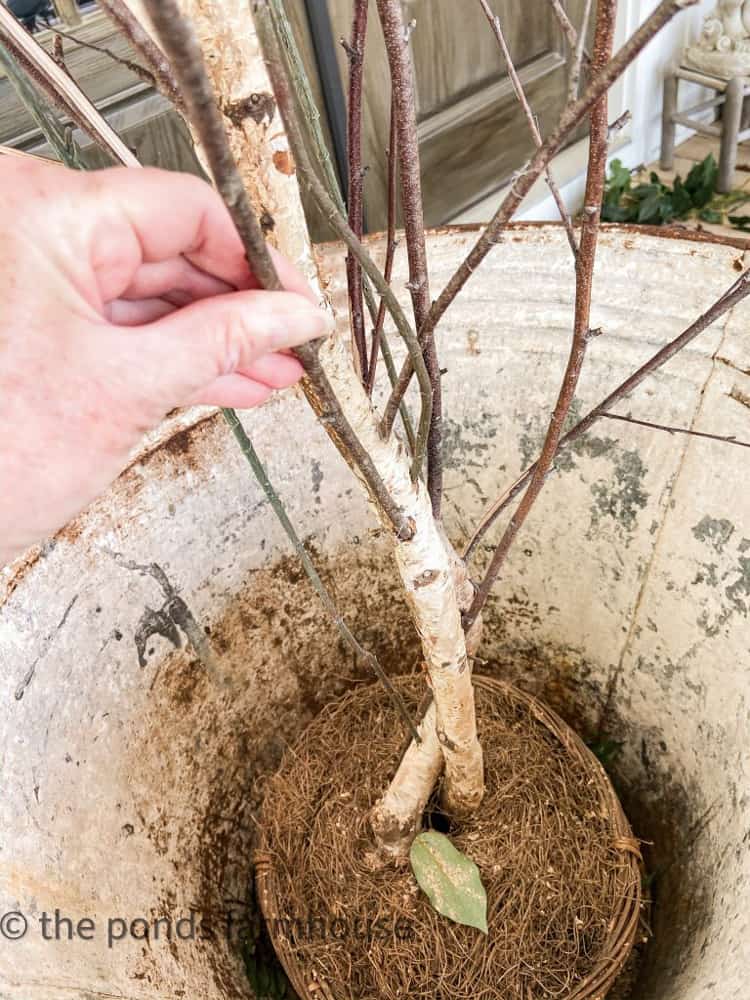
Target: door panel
(472,131)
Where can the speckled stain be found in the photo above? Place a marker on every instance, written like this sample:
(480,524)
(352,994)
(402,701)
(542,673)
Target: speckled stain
(317,479)
(618,496)
(468,444)
(716,532)
(730,575)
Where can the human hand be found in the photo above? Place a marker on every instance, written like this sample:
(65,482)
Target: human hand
(125,293)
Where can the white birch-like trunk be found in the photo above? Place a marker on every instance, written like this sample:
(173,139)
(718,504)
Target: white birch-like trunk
(427,563)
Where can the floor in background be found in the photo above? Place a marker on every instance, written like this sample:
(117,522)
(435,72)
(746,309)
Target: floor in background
(693,151)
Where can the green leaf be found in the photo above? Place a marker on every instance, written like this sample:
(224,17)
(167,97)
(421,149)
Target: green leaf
(710,215)
(450,880)
(681,200)
(740,222)
(700,183)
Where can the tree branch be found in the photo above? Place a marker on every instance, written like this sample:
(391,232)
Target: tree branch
(723,439)
(565,23)
(123,18)
(525,179)
(390,249)
(303,92)
(140,71)
(309,179)
(181,46)
(347,635)
(574,82)
(496,26)
(59,88)
(404,97)
(356,52)
(597,168)
(736,293)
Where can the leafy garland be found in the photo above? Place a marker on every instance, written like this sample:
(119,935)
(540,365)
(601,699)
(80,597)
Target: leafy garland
(655,203)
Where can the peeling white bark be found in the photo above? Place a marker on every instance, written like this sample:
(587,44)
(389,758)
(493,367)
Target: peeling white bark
(427,563)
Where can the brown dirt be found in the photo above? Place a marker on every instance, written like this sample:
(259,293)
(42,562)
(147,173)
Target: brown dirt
(554,850)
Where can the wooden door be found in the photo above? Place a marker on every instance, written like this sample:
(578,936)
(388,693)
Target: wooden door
(473,135)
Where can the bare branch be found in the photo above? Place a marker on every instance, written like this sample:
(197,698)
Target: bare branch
(525,179)
(309,179)
(356,52)
(736,293)
(597,167)
(59,138)
(57,85)
(181,46)
(565,23)
(140,71)
(496,26)
(574,81)
(391,244)
(724,439)
(121,15)
(347,635)
(402,81)
(303,92)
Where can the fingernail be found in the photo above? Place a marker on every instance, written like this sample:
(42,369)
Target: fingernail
(299,326)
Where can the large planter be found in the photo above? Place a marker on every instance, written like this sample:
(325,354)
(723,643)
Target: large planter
(129,777)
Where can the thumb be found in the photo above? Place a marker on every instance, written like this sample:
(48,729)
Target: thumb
(217,336)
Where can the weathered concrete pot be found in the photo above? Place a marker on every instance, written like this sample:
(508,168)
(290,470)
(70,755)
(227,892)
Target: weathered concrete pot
(129,778)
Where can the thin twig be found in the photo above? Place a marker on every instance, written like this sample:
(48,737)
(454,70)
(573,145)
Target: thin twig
(327,205)
(140,71)
(525,178)
(59,138)
(574,81)
(356,53)
(140,40)
(303,92)
(597,168)
(349,638)
(390,246)
(724,439)
(183,50)
(565,23)
(736,293)
(515,80)
(404,96)
(58,86)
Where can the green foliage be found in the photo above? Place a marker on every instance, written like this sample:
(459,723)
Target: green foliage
(654,203)
(450,880)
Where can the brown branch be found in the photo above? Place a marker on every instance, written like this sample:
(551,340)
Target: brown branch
(597,168)
(309,179)
(391,244)
(356,52)
(515,80)
(525,179)
(63,92)
(724,439)
(183,50)
(402,81)
(140,71)
(736,293)
(123,18)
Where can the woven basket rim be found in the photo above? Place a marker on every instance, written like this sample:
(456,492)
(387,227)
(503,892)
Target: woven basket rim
(624,923)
